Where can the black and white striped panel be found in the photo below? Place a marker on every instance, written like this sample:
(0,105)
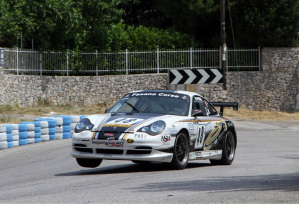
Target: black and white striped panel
(195,76)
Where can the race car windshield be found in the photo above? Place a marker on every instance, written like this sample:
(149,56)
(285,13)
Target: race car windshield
(153,102)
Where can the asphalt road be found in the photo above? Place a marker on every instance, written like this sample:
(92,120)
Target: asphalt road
(265,170)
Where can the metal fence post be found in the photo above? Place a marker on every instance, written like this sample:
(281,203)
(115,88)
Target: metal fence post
(127,62)
(97,72)
(259,56)
(67,62)
(41,63)
(17,60)
(191,58)
(158,61)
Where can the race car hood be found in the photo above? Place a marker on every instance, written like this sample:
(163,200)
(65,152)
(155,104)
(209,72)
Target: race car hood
(113,125)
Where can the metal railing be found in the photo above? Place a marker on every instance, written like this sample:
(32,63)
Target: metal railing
(20,61)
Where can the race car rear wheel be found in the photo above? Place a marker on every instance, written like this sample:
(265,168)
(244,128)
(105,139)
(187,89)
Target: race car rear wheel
(180,152)
(228,146)
(89,162)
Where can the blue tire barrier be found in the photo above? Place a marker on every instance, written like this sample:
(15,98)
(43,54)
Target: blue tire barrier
(9,137)
(10,144)
(30,140)
(66,128)
(52,137)
(37,135)
(51,121)
(23,142)
(3,145)
(52,130)
(5,128)
(37,129)
(8,128)
(30,126)
(67,120)
(67,135)
(23,128)
(37,140)
(23,135)
(59,120)
(36,123)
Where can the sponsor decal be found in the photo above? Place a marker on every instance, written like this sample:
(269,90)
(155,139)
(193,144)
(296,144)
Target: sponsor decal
(108,134)
(191,126)
(139,136)
(83,134)
(197,99)
(130,141)
(171,130)
(108,143)
(165,138)
(168,95)
(214,135)
(114,126)
(144,94)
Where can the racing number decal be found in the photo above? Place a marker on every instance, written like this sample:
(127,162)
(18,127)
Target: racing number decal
(128,121)
(200,134)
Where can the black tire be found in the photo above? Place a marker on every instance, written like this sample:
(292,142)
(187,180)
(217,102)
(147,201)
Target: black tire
(180,152)
(228,146)
(92,163)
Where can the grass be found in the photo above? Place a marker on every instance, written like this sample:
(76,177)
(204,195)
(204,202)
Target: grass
(16,114)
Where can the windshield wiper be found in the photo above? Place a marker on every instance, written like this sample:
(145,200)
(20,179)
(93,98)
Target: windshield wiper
(132,106)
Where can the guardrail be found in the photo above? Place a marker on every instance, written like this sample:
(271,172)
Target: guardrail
(20,61)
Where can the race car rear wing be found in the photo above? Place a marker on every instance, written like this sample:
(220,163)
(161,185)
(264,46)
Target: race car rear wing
(234,105)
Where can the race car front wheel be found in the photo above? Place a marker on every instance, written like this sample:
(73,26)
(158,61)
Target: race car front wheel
(228,145)
(89,162)
(180,152)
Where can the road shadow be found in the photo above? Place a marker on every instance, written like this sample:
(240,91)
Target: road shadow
(130,168)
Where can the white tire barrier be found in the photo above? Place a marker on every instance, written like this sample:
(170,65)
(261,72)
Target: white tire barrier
(40,130)
(30,140)
(45,137)
(15,143)
(3,145)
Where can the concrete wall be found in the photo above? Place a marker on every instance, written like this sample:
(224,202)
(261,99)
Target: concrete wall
(275,88)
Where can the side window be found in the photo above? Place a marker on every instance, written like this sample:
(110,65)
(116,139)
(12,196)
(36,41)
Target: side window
(198,104)
(210,109)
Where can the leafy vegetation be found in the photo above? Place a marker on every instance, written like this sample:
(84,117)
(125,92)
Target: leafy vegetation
(144,25)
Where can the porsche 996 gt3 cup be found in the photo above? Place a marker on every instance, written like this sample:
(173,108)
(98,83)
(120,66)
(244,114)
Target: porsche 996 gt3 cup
(174,127)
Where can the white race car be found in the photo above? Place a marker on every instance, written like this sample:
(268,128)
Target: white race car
(157,126)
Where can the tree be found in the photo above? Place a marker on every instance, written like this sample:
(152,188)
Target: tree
(265,23)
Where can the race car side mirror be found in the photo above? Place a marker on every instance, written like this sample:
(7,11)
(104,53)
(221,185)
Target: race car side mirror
(197,112)
(107,110)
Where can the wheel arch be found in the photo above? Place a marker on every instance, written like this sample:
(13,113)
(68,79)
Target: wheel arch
(187,132)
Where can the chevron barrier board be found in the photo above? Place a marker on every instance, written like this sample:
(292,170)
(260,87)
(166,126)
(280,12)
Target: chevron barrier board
(195,76)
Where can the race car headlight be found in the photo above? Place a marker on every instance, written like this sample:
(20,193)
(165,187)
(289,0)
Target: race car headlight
(154,128)
(83,124)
